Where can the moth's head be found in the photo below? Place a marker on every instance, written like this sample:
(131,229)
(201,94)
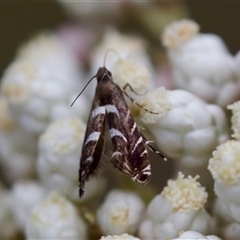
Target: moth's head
(103,74)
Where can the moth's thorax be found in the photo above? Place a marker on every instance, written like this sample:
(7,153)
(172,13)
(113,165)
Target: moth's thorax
(106,85)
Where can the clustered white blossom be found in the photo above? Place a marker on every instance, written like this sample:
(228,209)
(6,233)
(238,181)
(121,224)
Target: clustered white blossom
(41,136)
(186,128)
(126,47)
(59,150)
(179,207)
(201,63)
(24,195)
(120,212)
(225,169)
(55,218)
(41,83)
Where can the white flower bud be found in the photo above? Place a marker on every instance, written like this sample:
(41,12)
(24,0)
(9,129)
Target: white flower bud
(24,196)
(133,73)
(126,47)
(179,207)
(185,128)
(225,169)
(58,161)
(40,83)
(8,224)
(201,63)
(190,235)
(55,218)
(124,236)
(178,33)
(121,212)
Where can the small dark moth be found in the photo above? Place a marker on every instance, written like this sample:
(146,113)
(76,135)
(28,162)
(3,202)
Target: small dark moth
(129,145)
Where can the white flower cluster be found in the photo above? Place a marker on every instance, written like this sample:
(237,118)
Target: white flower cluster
(126,47)
(55,218)
(225,169)
(179,207)
(186,128)
(59,151)
(41,83)
(121,212)
(201,63)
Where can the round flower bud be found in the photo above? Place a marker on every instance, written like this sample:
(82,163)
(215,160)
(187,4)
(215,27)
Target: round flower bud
(55,218)
(120,212)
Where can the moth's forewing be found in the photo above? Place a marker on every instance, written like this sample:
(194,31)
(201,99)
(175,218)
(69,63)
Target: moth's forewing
(93,144)
(129,146)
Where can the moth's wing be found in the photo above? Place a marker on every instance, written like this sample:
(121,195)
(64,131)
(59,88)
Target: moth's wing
(130,155)
(93,143)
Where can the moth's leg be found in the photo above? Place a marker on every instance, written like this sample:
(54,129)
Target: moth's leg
(156,151)
(128,85)
(139,105)
(153,149)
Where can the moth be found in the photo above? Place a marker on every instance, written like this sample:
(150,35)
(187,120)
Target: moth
(109,109)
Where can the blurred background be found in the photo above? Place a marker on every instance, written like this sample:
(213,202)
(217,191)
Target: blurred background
(20,20)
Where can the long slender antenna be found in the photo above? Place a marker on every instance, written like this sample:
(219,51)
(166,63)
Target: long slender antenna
(110,50)
(82,91)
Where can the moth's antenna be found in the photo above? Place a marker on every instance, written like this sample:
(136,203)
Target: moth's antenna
(110,50)
(82,91)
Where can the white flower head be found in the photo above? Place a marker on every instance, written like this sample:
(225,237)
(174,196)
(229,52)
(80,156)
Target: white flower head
(121,212)
(225,169)
(55,218)
(47,49)
(155,101)
(202,64)
(130,72)
(179,207)
(184,127)
(24,196)
(126,47)
(185,194)
(235,107)
(124,236)
(190,235)
(39,84)
(179,32)
(225,163)
(58,161)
